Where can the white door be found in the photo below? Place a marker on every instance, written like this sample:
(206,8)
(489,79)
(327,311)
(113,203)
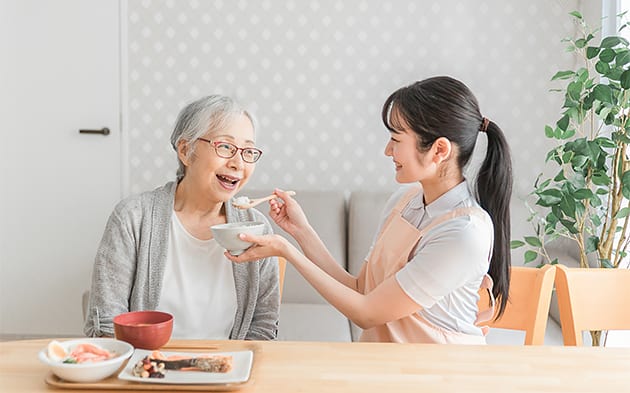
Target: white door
(59,72)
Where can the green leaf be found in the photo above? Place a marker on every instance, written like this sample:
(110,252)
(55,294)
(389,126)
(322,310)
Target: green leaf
(563,123)
(622,58)
(596,221)
(533,241)
(602,68)
(614,74)
(605,142)
(600,179)
(607,55)
(568,134)
(591,244)
(580,43)
(606,263)
(554,262)
(601,191)
(579,161)
(560,176)
(563,75)
(624,80)
(530,256)
(548,132)
(576,14)
(551,219)
(566,157)
(592,52)
(623,213)
(625,182)
(603,93)
(543,185)
(583,193)
(516,244)
(567,204)
(569,225)
(550,197)
(610,42)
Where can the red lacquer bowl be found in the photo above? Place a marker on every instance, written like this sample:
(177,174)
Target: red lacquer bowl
(144,329)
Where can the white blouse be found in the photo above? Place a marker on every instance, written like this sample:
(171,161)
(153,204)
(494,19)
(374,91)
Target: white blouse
(198,288)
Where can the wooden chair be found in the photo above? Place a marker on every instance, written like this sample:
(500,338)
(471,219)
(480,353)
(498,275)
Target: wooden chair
(282,268)
(592,299)
(528,302)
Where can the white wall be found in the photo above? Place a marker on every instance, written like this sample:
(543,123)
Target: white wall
(316,74)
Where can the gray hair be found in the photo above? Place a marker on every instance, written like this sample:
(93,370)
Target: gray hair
(211,113)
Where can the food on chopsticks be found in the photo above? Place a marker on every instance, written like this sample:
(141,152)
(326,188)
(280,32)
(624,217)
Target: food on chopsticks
(154,365)
(81,353)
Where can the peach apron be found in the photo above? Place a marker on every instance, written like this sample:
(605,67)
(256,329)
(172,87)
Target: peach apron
(390,254)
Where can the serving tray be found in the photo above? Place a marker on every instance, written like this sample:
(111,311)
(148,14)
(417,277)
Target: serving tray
(115,383)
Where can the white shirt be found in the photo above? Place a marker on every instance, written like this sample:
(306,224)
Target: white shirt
(198,288)
(447,265)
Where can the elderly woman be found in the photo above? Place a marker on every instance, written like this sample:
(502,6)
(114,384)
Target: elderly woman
(158,253)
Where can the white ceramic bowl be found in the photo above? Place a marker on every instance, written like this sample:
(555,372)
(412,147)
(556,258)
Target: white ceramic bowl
(227,235)
(89,372)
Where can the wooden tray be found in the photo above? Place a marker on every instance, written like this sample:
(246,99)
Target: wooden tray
(113,383)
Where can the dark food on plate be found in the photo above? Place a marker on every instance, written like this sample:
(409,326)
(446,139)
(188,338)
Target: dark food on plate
(145,368)
(154,366)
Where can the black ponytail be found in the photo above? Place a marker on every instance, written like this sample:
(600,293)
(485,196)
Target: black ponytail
(494,188)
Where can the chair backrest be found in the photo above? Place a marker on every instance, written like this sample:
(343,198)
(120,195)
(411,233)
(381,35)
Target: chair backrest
(282,268)
(528,302)
(592,299)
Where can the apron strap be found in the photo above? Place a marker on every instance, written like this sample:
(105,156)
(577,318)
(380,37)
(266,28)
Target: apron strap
(408,196)
(461,211)
(487,314)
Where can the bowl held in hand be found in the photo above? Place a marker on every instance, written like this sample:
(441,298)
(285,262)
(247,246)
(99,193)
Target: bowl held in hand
(227,235)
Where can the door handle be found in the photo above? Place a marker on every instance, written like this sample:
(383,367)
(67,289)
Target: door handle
(102,131)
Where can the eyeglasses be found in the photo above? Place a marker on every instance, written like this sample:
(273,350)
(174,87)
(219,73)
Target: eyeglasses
(229,150)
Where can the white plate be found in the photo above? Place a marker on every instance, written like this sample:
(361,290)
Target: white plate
(241,368)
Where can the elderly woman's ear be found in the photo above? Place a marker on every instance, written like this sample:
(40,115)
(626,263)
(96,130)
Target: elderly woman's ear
(183,150)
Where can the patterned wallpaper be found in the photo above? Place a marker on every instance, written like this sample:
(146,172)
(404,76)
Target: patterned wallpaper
(315,73)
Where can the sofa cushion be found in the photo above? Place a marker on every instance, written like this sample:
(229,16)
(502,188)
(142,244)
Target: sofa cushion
(364,213)
(365,209)
(312,322)
(326,211)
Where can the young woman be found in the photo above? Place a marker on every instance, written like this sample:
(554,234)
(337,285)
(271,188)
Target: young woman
(158,252)
(437,239)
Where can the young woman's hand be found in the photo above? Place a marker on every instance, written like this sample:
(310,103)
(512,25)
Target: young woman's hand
(264,246)
(288,214)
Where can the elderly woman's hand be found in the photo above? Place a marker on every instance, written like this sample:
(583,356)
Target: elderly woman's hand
(264,246)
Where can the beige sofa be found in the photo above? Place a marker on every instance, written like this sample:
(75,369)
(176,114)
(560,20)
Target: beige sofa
(347,224)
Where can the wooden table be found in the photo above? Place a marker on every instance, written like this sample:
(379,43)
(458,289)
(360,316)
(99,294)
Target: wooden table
(363,367)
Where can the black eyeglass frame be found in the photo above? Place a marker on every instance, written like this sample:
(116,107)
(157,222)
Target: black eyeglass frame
(236,149)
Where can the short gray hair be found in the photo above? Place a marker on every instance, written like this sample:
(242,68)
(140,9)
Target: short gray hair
(211,113)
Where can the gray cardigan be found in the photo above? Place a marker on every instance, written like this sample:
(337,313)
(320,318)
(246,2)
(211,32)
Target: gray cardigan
(129,267)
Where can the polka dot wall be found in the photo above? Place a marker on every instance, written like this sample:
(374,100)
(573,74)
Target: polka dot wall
(316,73)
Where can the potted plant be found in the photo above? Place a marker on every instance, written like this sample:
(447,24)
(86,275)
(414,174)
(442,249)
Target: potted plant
(586,197)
